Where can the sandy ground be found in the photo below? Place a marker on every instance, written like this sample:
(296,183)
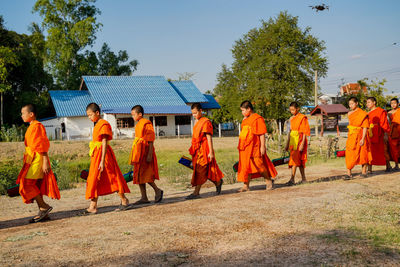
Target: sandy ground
(306,225)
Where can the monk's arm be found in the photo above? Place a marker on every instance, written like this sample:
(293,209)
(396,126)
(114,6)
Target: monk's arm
(150,153)
(211,155)
(103,153)
(303,142)
(262,145)
(46,164)
(363,136)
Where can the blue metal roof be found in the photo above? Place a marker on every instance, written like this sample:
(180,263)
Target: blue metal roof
(211,104)
(70,103)
(152,110)
(125,91)
(188,91)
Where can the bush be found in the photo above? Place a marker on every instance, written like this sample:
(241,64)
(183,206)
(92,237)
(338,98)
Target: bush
(13,133)
(8,176)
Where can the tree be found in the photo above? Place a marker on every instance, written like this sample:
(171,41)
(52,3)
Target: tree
(375,88)
(71,26)
(273,65)
(186,76)
(26,81)
(7,60)
(111,64)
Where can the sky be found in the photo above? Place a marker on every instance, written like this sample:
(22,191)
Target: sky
(168,37)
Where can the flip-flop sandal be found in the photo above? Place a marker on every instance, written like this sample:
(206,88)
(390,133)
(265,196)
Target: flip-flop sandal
(160,198)
(348,177)
(43,214)
(123,207)
(140,202)
(191,196)
(219,187)
(87,213)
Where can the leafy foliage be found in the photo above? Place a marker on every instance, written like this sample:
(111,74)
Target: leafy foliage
(273,65)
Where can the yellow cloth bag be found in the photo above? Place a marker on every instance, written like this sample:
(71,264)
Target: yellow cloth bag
(294,140)
(36,160)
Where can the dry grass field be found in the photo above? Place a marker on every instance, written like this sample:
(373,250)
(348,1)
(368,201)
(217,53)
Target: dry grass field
(326,222)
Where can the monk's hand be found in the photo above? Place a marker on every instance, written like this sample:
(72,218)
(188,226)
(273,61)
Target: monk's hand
(149,157)
(301,148)
(211,156)
(263,150)
(101,166)
(46,166)
(361,142)
(287,148)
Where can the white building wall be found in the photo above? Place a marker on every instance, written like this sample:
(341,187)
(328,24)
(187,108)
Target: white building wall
(52,126)
(78,128)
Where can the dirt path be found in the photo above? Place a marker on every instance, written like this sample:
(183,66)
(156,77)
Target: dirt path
(323,223)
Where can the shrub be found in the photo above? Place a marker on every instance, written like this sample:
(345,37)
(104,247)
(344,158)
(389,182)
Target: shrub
(8,175)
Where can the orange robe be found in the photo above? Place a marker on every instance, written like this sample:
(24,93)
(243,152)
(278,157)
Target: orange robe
(356,154)
(143,171)
(299,124)
(203,168)
(394,136)
(110,180)
(250,160)
(36,142)
(378,126)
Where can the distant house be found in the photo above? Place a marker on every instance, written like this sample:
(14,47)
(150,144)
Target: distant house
(352,89)
(165,103)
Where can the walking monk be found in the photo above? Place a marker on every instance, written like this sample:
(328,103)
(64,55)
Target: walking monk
(36,177)
(378,133)
(394,135)
(297,142)
(253,159)
(104,177)
(203,157)
(143,157)
(357,146)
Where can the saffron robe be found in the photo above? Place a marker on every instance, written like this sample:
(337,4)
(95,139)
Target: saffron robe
(394,136)
(203,168)
(31,179)
(110,180)
(251,163)
(356,154)
(143,171)
(298,128)
(378,126)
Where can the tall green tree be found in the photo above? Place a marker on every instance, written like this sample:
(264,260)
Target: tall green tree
(273,65)
(71,26)
(111,64)
(27,81)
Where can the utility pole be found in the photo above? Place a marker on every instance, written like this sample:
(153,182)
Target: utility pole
(316,102)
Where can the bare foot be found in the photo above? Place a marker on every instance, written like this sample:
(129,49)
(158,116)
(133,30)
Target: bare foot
(243,189)
(90,210)
(269,185)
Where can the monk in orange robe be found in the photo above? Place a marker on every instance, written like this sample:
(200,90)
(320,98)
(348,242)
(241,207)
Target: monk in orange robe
(205,166)
(253,159)
(357,145)
(104,177)
(297,142)
(143,157)
(394,135)
(36,177)
(378,133)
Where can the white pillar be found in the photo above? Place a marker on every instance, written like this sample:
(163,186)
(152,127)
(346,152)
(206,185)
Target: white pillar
(66,128)
(219,130)
(179,131)
(158,130)
(239,127)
